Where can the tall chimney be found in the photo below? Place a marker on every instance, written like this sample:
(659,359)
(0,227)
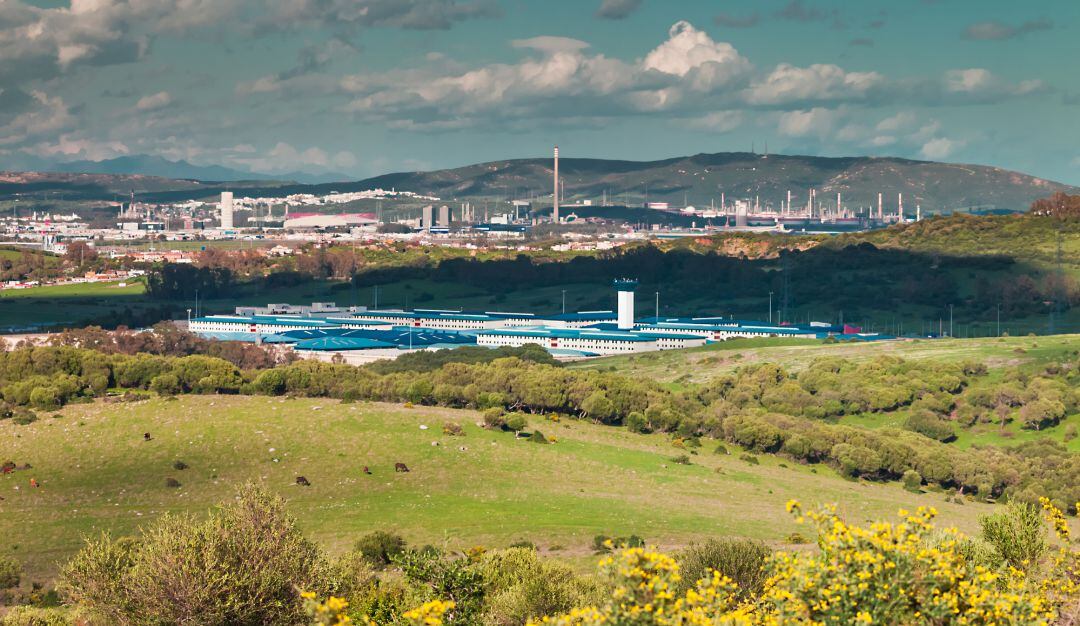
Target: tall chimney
(880,213)
(900,206)
(555,212)
(626,289)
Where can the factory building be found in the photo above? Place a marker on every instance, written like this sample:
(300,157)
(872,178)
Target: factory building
(587,342)
(323,330)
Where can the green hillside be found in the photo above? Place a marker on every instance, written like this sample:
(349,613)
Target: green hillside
(97,473)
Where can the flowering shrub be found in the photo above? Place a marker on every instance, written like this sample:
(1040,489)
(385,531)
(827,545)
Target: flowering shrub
(883,574)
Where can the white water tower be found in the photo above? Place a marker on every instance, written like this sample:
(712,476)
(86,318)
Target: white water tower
(626,287)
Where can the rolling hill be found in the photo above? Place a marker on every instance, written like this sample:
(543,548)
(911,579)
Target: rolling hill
(698,179)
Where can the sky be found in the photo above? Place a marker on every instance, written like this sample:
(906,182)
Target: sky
(366,87)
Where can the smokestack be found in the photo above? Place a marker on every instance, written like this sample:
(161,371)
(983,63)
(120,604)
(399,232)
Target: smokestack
(838,204)
(789,201)
(555,212)
(900,207)
(918,213)
(880,213)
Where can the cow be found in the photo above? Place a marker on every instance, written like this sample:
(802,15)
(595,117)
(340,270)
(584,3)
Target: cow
(303,482)
(34,483)
(401,467)
(146,437)
(8,467)
(366,470)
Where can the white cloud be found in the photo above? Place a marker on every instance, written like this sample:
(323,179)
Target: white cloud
(717,121)
(154,102)
(788,84)
(688,48)
(817,121)
(548,43)
(939,148)
(48,116)
(284,157)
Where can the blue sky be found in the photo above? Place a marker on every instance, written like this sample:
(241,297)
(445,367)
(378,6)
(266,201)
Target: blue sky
(371,86)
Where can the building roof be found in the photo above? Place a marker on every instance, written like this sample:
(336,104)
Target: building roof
(583,316)
(280,320)
(565,333)
(342,343)
(403,336)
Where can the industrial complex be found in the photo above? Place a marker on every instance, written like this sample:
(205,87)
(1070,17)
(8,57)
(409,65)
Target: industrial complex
(357,334)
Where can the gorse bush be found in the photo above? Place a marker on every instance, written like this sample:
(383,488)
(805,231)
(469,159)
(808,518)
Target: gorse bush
(380,548)
(10,572)
(1017,534)
(240,565)
(741,560)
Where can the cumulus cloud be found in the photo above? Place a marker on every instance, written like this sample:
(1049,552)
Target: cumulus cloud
(561,77)
(997,31)
(154,102)
(47,116)
(408,14)
(817,121)
(617,9)
(939,148)
(716,122)
(788,84)
(284,157)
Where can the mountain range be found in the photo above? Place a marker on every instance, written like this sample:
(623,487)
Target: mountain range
(698,180)
(148,165)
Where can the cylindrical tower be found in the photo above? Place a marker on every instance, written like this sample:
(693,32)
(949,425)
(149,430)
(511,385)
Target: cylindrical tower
(555,195)
(626,287)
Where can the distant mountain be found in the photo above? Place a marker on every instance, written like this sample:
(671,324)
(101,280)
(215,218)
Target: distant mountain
(702,178)
(145,165)
(698,179)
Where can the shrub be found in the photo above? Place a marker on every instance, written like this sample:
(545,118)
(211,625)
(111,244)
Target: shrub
(1070,432)
(934,427)
(516,422)
(380,548)
(749,458)
(172,483)
(453,429)
(797,539)
(912,480)
(538,437)
(741,560)
(635,422)
(494,417)
(24,417)
(521,587)
(165,384)
(240,565)
(10,572)
(179,465)
(721,449)
(1017,534)
(682,459)
(39,616)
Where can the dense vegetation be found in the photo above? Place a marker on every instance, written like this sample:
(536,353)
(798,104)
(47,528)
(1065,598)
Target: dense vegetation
(761,407)
(248,563)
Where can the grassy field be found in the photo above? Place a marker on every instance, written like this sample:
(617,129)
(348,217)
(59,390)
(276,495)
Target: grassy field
(702,364)
(98,474)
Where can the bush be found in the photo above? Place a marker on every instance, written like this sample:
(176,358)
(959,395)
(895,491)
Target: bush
(240,565)
(38,616)
(24,417)
(721,449)
(741,560)
(516,422)
(912,480)
(10,572)
(165,384)
(494,417)
(1017,534)
(538,437)
(179,465)
(520,586)
(172,483)
(380,548)
(682,459)
(749,458)
(453,429)
(635,422)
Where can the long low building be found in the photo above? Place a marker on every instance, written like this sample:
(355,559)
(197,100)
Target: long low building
(588,341)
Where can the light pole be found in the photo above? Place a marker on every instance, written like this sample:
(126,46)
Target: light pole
(564,301)
(658,306)
(189,319)
(951,322)
(770,307)
(196,303)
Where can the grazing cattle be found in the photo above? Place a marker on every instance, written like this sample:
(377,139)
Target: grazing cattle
(303,482)
(146,436)
(366,470)
(401,467)
(8,467)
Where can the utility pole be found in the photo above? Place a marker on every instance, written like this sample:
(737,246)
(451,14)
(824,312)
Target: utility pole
(951,322)
(564,301)
(770,307)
